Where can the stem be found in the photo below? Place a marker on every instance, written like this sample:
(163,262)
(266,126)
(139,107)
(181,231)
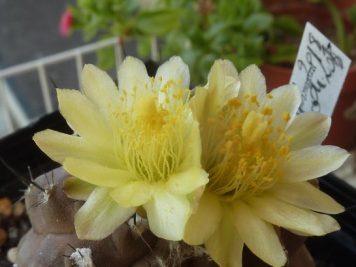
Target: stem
(122,43)
(154,49)
(338,23)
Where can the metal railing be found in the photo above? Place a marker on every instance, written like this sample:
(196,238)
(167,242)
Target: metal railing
(11,111)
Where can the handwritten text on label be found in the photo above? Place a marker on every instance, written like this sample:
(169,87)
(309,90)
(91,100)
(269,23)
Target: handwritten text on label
(319,72)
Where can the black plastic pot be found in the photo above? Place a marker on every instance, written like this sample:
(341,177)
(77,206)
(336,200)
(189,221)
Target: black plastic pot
(337,249)
(20,153)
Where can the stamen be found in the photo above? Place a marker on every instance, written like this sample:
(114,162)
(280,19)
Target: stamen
(267,111)
(286,116)
(234,102)
(149,141)
(243,149)
(254,100)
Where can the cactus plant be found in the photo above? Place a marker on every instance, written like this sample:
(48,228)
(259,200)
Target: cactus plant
(141,155)
(52,240)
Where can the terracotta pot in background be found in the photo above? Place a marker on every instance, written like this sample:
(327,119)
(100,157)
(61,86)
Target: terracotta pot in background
(316,13)
(344,4)
(276,75)
(302,11)
(343,130)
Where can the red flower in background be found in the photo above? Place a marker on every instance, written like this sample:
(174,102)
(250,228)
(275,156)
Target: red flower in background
(66,23)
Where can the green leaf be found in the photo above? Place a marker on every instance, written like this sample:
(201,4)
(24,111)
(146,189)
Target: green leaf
(87,4)
(158,22)
(288,24)
(258,22)
(284,54)
(216,29)
(143,46)
(175,44)
(106,58)
(352,14)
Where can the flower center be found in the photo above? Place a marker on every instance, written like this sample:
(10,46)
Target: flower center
(150,138)
(242,149)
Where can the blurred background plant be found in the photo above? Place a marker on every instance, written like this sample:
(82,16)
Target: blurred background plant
(140,19)
(344,33)
(200,31)
(236,30)
(351,13)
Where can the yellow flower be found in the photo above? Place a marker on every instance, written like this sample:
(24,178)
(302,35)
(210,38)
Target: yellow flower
(138,146)
(259,157)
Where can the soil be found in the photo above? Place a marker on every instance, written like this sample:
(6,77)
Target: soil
(14,223)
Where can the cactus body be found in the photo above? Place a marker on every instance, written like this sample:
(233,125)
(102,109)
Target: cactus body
(52,240)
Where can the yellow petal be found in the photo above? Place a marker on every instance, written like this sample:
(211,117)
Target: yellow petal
(204,222)
(308,129)
(77,189)
(221,69)
(192,147)
(133,79)
(225,246)
(59,146)
(198,103)
(132,194)
(312,162)
(328,223)
(83,116)
(96,174)
(172,82)
(288,216)
(307,196)
(187,181)
(259,236)
(253,82)
(99,88)
(223,84)
(284,100)
(175,70)
(167,215)
(100,216)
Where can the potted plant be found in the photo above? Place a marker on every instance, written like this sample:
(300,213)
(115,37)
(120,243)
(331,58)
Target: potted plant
(141,149)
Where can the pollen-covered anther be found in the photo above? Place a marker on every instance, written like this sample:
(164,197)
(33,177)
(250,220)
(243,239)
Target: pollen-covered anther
(254,100)
(284,151)
(250,150)
(267,111)
(269,96)
(267,179)
(234,102)
(286,116)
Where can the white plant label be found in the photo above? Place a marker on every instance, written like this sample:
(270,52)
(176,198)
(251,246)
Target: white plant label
(319,72)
